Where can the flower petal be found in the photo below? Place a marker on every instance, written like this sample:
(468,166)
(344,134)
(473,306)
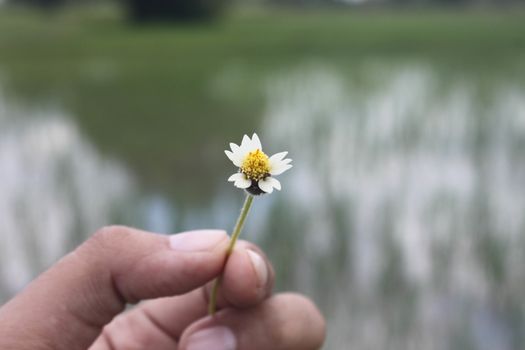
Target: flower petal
(278,167)
(230,155)
(256,142)
(238,154)
(243,183)
(266,185)
(234,147)
(278,156)
(239,180)
(236,177)
(245,148)
(234,157)
(275,183)
(246,142)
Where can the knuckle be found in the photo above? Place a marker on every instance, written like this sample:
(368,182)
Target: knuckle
(110,231)
(317,322)
(120,334)
(101,245)
(308,334)
(128,331)
(108,236)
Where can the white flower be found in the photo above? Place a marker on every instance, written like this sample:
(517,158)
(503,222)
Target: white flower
(256,169)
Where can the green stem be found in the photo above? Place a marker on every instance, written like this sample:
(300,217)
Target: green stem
(240,223)
(236,232)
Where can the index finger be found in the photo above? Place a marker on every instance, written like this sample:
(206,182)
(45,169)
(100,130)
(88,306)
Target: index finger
(248,277)
(247,281)
(87,288)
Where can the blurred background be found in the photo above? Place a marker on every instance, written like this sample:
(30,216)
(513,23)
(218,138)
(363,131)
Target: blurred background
(403,217)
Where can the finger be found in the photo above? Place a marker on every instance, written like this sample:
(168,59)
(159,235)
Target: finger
(134,330)
(67,306)
(247,279)
(244,284)
(283,322)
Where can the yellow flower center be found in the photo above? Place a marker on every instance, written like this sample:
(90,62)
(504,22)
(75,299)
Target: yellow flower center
(256,165)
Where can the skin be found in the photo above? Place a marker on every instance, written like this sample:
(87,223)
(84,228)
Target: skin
(79,302)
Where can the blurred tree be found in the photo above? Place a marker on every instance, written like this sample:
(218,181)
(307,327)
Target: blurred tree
(146,10)
(454,2)
(45,4)
(430,2)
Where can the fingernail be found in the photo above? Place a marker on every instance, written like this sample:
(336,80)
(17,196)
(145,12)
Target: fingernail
(216,338)
(193,241)
(260,267)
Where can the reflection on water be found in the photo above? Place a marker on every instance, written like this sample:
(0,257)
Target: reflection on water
(409,199)
(54,190)
(402,217)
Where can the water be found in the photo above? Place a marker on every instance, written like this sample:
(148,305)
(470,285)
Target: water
(409,201)
(402,217)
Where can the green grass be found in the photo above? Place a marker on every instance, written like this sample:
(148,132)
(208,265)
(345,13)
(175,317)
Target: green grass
(267,33)
(141,92)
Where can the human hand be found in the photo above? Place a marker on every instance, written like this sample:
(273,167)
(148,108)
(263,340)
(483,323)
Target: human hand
(73,305)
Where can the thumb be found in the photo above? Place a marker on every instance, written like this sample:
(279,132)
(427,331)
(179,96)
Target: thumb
(67,306)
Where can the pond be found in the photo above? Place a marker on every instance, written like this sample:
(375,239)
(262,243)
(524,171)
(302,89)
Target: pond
(403,217)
